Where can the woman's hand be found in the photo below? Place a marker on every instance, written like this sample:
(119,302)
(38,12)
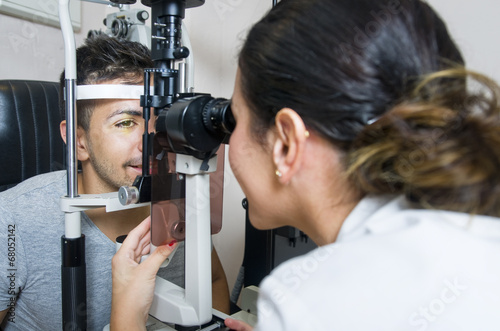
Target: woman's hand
(237,325)
(134,283)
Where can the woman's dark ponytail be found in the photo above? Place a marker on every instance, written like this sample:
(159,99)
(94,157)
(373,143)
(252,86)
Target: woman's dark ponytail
(441,148)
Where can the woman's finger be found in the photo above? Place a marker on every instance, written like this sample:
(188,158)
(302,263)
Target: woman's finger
(155,260)
(135,236)
(237,325)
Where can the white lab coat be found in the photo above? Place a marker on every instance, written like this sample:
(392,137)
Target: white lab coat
(392,268)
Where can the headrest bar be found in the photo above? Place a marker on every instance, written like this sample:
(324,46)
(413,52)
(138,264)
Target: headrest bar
(111,91)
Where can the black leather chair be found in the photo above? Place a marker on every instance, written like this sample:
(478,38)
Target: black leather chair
(30,140)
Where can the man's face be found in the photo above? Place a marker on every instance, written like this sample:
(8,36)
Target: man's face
(114,143)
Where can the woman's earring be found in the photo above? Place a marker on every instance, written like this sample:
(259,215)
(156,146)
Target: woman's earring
(307,134)
(278,173)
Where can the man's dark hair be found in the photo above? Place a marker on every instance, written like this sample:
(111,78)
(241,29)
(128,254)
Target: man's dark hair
(101,59)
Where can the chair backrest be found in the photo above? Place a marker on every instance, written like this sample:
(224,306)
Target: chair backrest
(30,140)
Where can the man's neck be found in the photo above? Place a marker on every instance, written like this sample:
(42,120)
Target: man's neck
(113,224)
(117,223)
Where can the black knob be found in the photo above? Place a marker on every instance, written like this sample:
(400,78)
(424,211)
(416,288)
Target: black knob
(181,52)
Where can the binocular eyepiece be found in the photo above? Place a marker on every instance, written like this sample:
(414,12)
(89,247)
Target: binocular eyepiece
(195,125)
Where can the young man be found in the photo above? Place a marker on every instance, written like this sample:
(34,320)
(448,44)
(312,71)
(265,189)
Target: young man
(109,147)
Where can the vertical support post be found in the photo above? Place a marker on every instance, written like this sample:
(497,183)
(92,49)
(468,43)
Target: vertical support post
(198,246)
(73,267)
(71,157)
(69,95)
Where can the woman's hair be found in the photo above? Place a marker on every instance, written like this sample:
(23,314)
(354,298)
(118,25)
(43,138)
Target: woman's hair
(102,58)
(384,82)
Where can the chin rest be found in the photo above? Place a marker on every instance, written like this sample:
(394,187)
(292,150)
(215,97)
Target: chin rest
(30,140)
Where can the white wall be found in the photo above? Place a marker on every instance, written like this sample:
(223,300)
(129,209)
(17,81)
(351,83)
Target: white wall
(474,26)
(216,31)
(34,51)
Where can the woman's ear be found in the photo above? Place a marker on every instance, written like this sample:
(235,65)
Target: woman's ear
(81,141)
(289,146)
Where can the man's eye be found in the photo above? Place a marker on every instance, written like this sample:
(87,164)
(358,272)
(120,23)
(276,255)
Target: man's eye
(125,124)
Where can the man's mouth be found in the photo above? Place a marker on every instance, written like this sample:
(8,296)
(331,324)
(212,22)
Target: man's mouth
(137,168)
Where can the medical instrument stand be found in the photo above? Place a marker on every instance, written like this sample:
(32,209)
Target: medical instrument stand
(73,266)
(192,306)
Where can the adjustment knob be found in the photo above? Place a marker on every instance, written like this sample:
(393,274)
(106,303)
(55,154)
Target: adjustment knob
(142,15)
(181,52)
(128,195)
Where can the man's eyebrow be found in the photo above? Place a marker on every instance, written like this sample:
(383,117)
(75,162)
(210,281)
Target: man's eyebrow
(131,112)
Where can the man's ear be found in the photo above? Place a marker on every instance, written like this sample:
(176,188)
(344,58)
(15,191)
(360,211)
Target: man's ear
(62,129)
(81,141)
(289,146)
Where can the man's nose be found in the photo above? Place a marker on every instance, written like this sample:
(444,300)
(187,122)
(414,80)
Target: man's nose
(151,126)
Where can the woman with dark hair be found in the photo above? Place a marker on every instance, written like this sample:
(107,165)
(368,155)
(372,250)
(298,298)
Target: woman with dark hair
(358,124)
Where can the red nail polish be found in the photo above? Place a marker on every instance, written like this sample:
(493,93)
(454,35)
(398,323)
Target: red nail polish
(172,243)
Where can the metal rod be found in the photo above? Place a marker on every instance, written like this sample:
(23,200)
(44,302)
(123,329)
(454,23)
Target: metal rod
(71,157)
(146,114)
(70,95)
(73,270)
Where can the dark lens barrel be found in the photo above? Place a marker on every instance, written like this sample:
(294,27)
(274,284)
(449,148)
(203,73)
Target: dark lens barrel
(195,125)
(218,117)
